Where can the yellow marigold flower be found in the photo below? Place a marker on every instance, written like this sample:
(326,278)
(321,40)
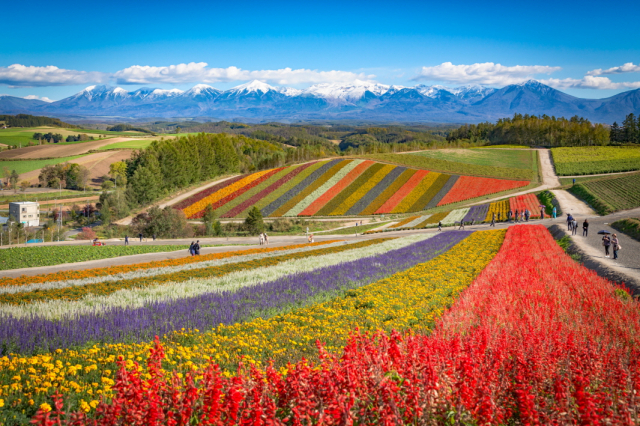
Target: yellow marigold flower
(45,407)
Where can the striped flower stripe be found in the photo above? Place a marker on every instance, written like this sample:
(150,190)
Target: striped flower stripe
(526,201)
(220,194)
(430,193)
(255,189)
(415,222)
(404,222)
(206,192)
(471,187)
(336,189)
(279,197)
(337,166)
(346,193)
(329,184)
(380,187)
(477,213)
(405,190)
(363,190)
(499,207)
(239,192)
(415,195)
(443,191)
(389,191)
(433,219)
(455,216)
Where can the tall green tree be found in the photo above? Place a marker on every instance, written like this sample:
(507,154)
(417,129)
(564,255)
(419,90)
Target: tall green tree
(254,221)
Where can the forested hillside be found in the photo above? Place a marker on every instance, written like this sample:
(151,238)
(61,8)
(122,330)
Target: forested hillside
(26,120)
(531,130)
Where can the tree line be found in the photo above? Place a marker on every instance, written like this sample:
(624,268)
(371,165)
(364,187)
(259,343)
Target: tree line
(629,132)
(26,120)
(534,130)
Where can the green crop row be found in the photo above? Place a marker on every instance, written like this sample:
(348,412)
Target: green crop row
(336,201)
(594,160)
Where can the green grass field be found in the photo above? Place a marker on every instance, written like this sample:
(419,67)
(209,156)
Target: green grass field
(24,166)
(23,135)
(9,197)
(503,147)
(630,226)
(610,194)
(425,162)
(595,159)
(140,144)
(518,159)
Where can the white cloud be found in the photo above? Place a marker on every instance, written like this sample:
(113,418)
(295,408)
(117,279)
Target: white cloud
(485,73)
(628,67)
(43,98)
(17,75)
(199,72)
(589,82)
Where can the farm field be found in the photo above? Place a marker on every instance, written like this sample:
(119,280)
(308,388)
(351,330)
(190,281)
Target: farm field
(56,150)
(141,143)
(630,226)
(517,159)
(24,166)
(29,257)
(419,310)
(454,167)
(338,188)
(9,197)
(23,135)
(610,194)
(594,160)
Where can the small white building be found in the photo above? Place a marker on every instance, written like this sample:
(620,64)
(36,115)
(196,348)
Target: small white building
(27,212)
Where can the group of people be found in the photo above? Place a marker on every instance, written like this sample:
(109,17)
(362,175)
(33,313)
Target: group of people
(194,248)
(264,239)
(521,216)
(611,242)
(572,225)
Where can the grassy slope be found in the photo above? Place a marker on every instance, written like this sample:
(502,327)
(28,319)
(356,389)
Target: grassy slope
(452,167)
(23,166)
(518,159)
(15,136)
(611,193)
(29,257)
(630,226)
(142,143)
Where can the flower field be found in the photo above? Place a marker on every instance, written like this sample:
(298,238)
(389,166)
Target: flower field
(595,159)
(490,327)
(340,187)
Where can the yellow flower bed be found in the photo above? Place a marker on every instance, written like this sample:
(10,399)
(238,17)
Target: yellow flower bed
(218,195)
(362,191)
(412,299)
(417,192)
(501,207)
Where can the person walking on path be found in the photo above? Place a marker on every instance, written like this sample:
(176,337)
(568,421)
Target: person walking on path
(191,248)
(440,226)
(554,212)
(196,248)
(585,228)
(261,238)
(606,242)
(140,235)
(461,225)
(574,227)
(266,239)
(126,240)
(509,215)
(499,214)
(569,221)
(154,237)
(615,245)
(542,213)
(493,220)
(516,216)
(527,215)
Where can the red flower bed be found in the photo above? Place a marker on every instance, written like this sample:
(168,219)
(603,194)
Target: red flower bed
(467,187)
(221,202)
(523,202)
(259,196)
(404,190)
(335,189)
(206,192)
(536,339)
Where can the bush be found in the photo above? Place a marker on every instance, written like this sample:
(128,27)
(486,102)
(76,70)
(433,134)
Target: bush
(86,234)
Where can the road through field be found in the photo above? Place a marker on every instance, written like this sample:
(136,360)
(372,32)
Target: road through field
(58,150)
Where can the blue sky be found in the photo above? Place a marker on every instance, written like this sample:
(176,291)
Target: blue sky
(405,43)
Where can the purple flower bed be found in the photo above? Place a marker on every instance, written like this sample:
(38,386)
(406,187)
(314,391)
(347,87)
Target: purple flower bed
(32,335)
(477,213)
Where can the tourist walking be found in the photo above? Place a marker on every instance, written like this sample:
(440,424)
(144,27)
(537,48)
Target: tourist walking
(261,238)
(542,213)
(554,212)
(499,214)
(461,225)
(516,215)
(574,227)
(440,226)
(154,237)
(522,216)
(196,248)
(126,240)
(585,228)
(266,239)
(569,221)
(509,215)
(527,215)
(606,242)
(191,248)
(493,220)
(615,245)
(140,235)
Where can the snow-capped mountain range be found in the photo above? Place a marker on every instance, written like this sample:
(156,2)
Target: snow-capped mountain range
(360,100)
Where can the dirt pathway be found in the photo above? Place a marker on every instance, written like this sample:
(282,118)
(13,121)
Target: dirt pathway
(549,177)
(570,204)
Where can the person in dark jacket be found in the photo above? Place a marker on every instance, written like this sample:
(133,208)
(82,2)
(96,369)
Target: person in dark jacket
(196,248)
(191,248)
(606,242)
(126,240)
(140,235)
(585,228)
(569,221)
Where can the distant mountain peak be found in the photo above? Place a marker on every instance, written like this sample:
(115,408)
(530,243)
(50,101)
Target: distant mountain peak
(255,86)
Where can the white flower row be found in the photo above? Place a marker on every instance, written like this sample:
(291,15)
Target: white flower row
(306,202)
(415,222)
(138,297)
(155,271)
(455,216)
